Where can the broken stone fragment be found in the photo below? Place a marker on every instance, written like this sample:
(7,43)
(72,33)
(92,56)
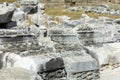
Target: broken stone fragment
(29,5)
(41,6)
(54,64)
(19,15)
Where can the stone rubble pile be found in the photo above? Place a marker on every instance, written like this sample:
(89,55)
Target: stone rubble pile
(100,9)
(71,50)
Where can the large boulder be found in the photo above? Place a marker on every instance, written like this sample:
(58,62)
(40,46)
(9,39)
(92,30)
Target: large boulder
(41,64)
(33,63)
(48,68)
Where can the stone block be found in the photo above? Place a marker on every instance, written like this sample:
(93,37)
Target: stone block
(18,74)
(53,64)
(80,64)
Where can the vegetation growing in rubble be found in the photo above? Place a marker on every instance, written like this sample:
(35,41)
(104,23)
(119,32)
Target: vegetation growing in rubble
(59,11)
(1,1)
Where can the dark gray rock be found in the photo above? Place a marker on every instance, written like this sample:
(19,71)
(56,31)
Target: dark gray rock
(53,64)
(6,12)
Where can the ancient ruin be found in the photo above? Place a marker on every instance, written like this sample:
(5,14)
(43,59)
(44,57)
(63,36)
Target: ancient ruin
(38,46)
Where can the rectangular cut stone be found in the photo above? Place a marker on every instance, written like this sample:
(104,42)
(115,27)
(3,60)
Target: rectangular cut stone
(80,64)
(64,38)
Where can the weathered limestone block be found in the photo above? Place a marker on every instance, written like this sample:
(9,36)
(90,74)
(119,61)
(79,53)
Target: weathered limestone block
(101,54)
(28,5)
(80,64)
(107,55)
(48,68)
(114,57)
(38,19)
(19,15)
(62,35)
(18,74)
(64,38)
(89,34)
(38,63)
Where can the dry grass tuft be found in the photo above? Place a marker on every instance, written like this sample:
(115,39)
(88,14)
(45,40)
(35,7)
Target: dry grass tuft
(59,11)
(1,1)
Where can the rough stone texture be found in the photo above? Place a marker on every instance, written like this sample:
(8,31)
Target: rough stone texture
(6,12)
(76,60)
(38,64)
(60,55)
(54,75)
(107,55)
(80,64)
(54,64)
(64,38)
(29,5)
(101,54)
(18,74)
(48,68)
(60,35)
(91,34)
(18,15)
(87,75)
